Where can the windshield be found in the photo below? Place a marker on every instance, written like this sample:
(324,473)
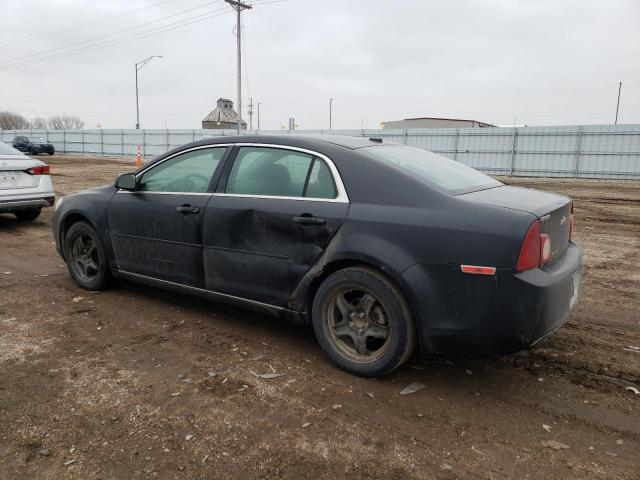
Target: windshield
(7,150)
(432,169)
(36,139)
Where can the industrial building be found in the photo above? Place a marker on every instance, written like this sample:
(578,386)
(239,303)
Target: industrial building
(435,122)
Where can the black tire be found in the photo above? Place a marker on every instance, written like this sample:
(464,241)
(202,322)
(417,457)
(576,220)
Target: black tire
(86,258)
(374,305)
(30,214)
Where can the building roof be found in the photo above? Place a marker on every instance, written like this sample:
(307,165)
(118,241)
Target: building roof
(223,113)
(447,119)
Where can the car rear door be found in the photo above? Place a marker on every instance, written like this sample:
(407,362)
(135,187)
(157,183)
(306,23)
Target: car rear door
(275,212)
(156,231)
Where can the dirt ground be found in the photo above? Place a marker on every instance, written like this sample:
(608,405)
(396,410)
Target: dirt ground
(135,382)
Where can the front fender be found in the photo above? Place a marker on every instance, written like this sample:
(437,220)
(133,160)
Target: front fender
(90,206)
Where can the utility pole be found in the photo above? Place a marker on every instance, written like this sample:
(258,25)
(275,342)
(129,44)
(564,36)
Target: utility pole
(258,116)
(251,114)
(618,105)
(239,7)
(330,108)
(139,66)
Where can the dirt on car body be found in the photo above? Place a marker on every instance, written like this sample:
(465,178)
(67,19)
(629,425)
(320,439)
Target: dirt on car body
(135,382)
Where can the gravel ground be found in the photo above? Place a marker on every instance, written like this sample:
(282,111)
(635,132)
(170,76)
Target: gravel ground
(135,382)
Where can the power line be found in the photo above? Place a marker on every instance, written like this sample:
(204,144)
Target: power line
(85,25)
(165,28)
(94,39)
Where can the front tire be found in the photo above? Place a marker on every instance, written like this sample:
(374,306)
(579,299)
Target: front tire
(86,258)
(30,214)
(363,322)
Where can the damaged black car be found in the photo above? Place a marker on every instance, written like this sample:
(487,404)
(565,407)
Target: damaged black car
(382,248)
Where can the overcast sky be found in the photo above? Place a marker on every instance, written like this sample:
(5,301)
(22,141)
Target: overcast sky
(544,62)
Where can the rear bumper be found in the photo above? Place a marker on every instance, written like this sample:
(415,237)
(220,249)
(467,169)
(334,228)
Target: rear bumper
(26,204)
(502,313)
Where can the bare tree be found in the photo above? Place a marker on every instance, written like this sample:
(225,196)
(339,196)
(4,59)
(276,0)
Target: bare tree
(65,122)
(55,122)
(12,121)
(39,123)
(71,122)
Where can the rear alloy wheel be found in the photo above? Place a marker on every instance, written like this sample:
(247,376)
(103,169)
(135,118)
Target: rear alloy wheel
(362,322)
(85,256)
(30,214)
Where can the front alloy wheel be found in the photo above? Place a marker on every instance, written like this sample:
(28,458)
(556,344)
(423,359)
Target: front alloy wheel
(85,257)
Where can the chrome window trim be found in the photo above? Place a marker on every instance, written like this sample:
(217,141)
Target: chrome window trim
(199,147)
(144,192)
(341,197)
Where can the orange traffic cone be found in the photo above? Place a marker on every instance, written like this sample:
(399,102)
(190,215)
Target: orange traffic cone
(138,158)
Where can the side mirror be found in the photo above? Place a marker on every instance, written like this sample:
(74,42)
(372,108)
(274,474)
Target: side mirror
(126,181)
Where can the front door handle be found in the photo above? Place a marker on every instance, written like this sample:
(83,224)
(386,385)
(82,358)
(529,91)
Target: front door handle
(187,209)
(308,219)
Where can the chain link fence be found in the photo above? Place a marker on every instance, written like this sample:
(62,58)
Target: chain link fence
(585,151)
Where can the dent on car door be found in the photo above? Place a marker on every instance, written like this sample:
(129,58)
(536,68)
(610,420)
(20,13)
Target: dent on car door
(156,230)
(274,218)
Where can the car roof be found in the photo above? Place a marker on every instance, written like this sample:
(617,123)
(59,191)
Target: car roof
(310,140)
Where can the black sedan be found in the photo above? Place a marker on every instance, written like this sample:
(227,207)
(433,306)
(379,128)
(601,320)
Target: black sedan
(32,145)
(382,248)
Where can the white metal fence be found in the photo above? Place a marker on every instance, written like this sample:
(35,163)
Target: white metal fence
(587,151)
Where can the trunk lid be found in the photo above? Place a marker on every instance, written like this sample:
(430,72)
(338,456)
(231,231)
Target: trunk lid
(553,210)
(13,172)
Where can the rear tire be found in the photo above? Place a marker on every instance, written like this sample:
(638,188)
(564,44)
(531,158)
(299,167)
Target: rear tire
(86,258)
(30,214)
(363,322)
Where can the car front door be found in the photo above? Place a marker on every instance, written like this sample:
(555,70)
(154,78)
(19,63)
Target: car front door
(156,230)
(274,213)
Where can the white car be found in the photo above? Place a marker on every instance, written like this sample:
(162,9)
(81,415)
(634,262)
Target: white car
(25,184)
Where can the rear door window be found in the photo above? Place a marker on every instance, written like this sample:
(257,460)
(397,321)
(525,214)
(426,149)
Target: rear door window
(320,183)
(269,171)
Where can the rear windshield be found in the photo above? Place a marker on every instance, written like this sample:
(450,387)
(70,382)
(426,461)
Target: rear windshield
(432,169)
(7,150)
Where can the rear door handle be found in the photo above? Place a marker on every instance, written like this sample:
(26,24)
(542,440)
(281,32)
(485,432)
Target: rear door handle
(187,209)
(309,220)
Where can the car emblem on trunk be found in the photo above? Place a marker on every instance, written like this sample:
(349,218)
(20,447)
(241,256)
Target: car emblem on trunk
(563,221)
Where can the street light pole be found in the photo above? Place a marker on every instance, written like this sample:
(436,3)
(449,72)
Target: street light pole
(137,105)
(330,109)
(618,105)
(139,66)
(258,116)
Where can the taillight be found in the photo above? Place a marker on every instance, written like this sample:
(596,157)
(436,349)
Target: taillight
(530,251)
(39,170)
(571,223)
(535,250)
